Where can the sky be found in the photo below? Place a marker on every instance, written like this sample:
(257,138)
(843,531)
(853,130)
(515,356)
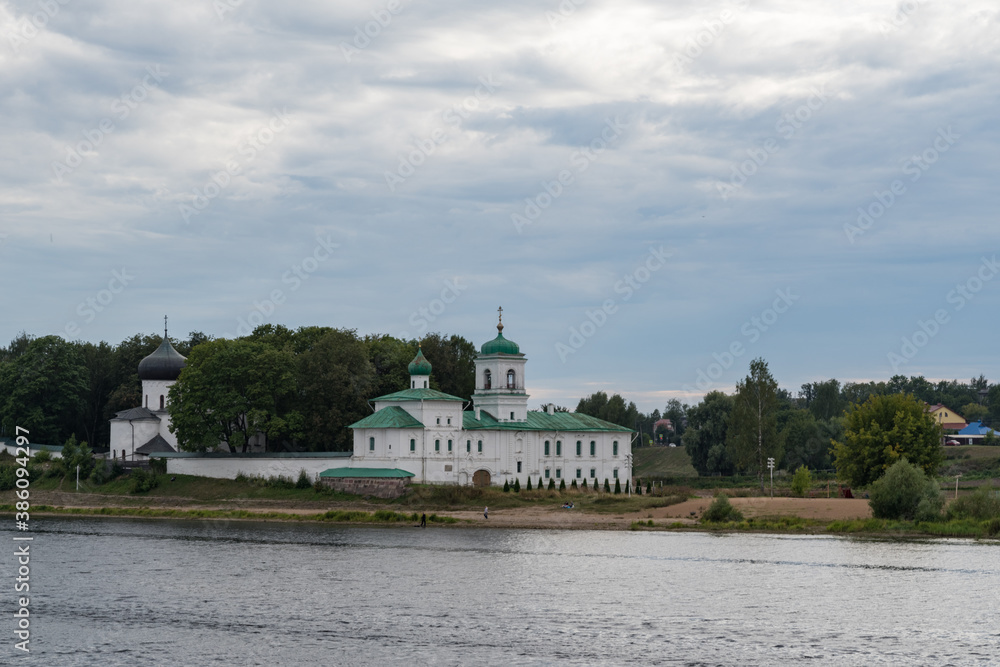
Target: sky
(655,193)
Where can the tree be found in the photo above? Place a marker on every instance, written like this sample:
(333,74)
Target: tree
(618,485)
(974,412)
(453,362)
(607,486)
(904,492)
(802,442)
(43,390)
(613,409)
(882,431)
(752,435)
(230,391)
(335,381)
(827,402)
(801,481)
(707,426)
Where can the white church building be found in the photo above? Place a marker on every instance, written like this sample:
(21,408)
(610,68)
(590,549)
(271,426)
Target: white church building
(138,432)
(430,434)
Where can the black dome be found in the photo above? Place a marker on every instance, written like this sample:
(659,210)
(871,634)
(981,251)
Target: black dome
(165,363)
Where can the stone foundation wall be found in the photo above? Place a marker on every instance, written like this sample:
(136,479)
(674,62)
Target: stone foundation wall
(361,486)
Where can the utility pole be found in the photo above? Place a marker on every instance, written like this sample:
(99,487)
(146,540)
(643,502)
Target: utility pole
(770,464)
(78,479)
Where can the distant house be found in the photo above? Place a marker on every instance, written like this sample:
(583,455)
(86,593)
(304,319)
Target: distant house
(946,417)
(974,433)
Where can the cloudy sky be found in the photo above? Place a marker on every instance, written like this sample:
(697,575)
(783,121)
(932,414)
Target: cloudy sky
(656,193)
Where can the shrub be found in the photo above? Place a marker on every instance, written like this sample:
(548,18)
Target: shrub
(801,482)
(540,485)
(607,486)
(562,484)
(982,505)
(552,484)
(584,485)
(618,485)
(303,480)
(43,456)
(506,486)
(528,488)
(649,487)
(573,485)
(904,492)
(517,485)
(158,465)
(142,481)
(721,510)
(105,471)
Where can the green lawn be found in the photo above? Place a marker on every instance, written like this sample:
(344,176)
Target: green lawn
(662,462)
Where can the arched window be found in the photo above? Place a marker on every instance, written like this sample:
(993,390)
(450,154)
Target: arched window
(510,379)
(161,401)
(487,379)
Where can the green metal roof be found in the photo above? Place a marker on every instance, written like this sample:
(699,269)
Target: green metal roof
(390,417)
(500,345)
(383,473)
(419,365)
(251,455)
(418,395)
(542,421)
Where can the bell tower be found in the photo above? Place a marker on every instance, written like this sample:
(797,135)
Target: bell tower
(500,386)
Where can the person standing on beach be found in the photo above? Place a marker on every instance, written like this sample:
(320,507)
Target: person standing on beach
(486,512)
(423,520)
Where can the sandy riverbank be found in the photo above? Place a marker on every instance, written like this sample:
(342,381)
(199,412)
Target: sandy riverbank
(539,516)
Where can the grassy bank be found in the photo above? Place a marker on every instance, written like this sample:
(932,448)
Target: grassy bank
(989,529)
(333,516)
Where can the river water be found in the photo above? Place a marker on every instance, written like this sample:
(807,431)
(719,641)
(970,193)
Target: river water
(138,592)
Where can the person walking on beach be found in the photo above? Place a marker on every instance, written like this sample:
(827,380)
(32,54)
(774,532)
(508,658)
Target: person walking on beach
(423,520)
(486,512)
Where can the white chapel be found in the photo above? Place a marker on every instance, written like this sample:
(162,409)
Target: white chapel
(430,434)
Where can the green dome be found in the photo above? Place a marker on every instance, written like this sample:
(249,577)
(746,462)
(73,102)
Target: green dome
(419,365)
(500,345)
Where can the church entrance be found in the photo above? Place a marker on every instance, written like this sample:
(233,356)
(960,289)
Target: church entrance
(481,478)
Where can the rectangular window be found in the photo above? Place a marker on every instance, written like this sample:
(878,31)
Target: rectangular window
(512,416)
(438,421)
(449,445)
(558,473)
(468,446)
(593,473)
(546,447)
(519,466)
(614,448)
(449,421)
(579,473)
(371,444)
(437,445)
(579,448)
(413,445)
(558,447)
(593,448)
(614,473)
(479,446)
(546,473)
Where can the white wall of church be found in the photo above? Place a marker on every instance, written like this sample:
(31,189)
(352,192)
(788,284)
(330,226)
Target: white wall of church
(229,467)
(496,451)
(152,391)
(122,435)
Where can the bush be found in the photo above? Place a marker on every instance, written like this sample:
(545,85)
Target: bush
(158,465)
(540,486)
(983,505)
(552,484)
(303,480)
(573,485)
(649,488)
(801,482)
(142,481)
(562,484)
(618,485)
(607,486)
(506,486)
(517,485)
(43,456)
(528,488)
(721,510)
(105,471)
(904,492)
(584,485)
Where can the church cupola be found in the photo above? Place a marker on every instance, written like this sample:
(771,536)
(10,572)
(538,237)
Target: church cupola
(500,388)
(159,371)
(420,371)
